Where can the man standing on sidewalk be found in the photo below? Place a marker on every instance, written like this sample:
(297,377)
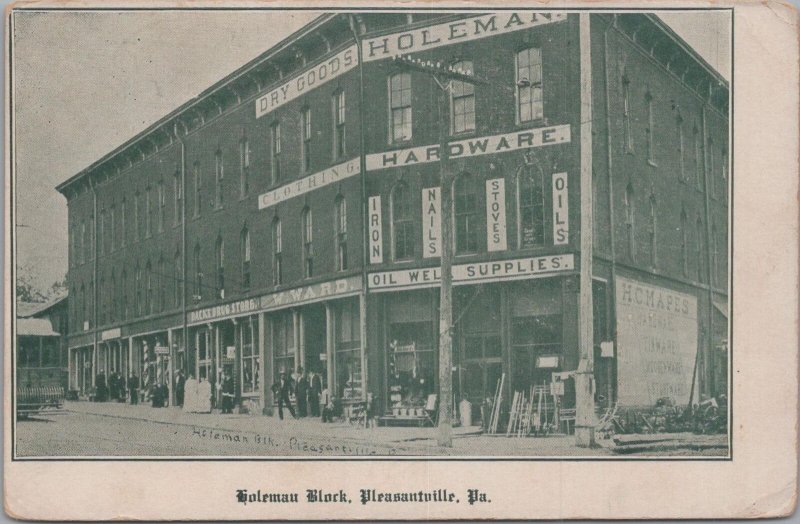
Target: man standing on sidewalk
(281,389)
(314,393)
(302,394)
(133,387)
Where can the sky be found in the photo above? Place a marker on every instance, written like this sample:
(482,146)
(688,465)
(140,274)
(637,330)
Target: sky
(85,82)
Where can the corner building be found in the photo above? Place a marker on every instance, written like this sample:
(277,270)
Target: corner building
(290,216)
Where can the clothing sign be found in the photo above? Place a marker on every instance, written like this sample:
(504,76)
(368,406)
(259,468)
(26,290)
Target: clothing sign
(307,80)
(456,32)
(431,222)
(560,209)
(656,343)
(375,231)
(475,272)
(496,214)
(304,185)
(541,136)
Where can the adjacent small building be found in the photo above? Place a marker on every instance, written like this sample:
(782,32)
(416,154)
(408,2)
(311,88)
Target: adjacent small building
(41,343)
(290,215)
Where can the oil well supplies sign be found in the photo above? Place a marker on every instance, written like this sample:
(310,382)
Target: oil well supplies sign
(656,343)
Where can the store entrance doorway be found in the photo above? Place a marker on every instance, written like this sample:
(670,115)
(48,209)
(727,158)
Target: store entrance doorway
(315,339)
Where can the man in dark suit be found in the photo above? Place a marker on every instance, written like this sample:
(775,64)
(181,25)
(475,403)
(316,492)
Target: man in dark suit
(281,390)
(302,394)
(314,392)
(180,388)
(133,387)
(101,388)
(227,393)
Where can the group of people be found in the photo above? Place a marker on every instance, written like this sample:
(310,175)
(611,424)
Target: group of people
(312,400)
(111,389)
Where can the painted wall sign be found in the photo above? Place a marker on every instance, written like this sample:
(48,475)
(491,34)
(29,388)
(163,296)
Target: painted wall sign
(496,215)
(431,222)
(656,343)
(475,272)
(542,136)
(456,32)
(375,231)
(224,310)
(110,334)
(307,80)
(304,185)
(560,209)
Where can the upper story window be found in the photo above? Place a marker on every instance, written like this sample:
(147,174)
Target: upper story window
(400,107)
(219,178)
(177,272)
(698,158)
(339,127)
(724,174)
(244,167)
(307,225)
(715,273)
(245,254)
(198,273)
(530,103)
(102,234)
(402,223)
(530,207)
(341,232)
(277,252)
(84,245)
(275,151)
(627,134)
(112,227)
(91,235)
(462,101)
(123,284)
(123,224)
(700,251)
(177,191)
(198,187)
(305,126)
(149,304)
(147,212)
(630,215)
(652,231)
(681,148)
(650,130)
(137,218)
(162,205)
(219,262)
(712,186)
(684,243)
(466,215)
(161,302)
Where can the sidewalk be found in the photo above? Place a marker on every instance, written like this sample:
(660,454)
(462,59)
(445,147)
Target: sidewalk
(400,440)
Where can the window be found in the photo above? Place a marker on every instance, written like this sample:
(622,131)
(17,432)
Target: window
(91,235)
(177,271)
(148,293)
(123,237)
(162,205)
(84,246)
(244,167)
(462,101)
(684,243)
(465,211)
(627,135)
(308,242)
(348,355)
(283,342)
(339,128)
(102,231)
(305,126)
(341,232)
(530,207)
(161,302)
(101,289)
(651,155)
(275,150)
(137,289)
(712,187)
(698,159)
(652,231)
(137,218)
(724,165)
(219,176)
(113,227)
(400,107)
(681,149)
(219,259)
(71,254)
(277,248)
(198,274)
(114,292)
(248,329)
(177,191)
(699,245)
(198,186)
(530,104)
(124,295)
(402,223)
(147,211)
(714,255)
(629,222)
(245,247)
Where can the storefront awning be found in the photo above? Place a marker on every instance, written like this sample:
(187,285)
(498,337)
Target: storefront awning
(722,306)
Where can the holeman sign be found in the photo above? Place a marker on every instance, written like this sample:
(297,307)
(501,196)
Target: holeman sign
(472,273)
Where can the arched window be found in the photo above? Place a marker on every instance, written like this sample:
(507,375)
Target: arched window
(148,210)
(83,317)
(681,148)
(277,252)
(530,207)
(340,219)
(114,293)
(400,128)
(306,135)
(402,224)
(198,188)
(307,225)
(339,125)
(462,101)
(684,243)
(627,134)
(137,281)
(650,129)
(123,305)
(177,271)
(148,292)
(275,150)
(219,260)
(700,249)
(219,178)
(101,295)
(244,167)
(529,85)
(630,214)
(245,253)
(465,213)
(198,273)
(715,273)
(162,205)
(162,289)
(652,231)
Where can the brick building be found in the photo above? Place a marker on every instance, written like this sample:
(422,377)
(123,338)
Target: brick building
(290,215)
